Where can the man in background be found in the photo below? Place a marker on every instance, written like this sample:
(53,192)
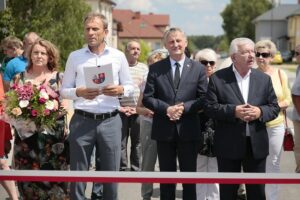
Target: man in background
(19,63)
(130,119)
(296,110)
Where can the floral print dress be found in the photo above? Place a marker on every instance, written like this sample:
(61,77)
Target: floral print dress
(42,151)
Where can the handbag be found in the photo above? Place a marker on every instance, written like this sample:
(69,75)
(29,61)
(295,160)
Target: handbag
(288,140)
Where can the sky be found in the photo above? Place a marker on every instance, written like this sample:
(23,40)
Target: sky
(195,17)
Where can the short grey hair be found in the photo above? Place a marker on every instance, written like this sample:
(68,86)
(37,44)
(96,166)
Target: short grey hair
(266,44)
(93,15)
(235,43)
(206,54)
(172,30)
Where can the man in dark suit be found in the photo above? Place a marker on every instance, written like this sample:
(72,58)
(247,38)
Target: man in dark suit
(175,91)
(241,100)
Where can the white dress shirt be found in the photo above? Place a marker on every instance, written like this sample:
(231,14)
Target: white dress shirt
(181,62)
(74,78)
(243,83)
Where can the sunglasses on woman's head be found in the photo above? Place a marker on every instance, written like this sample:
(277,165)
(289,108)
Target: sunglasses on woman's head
(205,62)
(264,55)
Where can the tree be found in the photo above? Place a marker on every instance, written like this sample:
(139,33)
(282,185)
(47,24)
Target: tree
(145,50)
(59,21)
(218,43)
(238,16)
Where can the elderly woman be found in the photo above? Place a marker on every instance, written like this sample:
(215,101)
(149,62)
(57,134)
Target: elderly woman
(40,151)
(265,51)
(206,161)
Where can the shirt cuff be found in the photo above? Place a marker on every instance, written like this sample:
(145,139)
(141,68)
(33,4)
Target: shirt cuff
(128,90)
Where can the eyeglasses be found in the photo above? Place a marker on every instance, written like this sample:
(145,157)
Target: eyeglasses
(205,62)
(264,55)
(297,53)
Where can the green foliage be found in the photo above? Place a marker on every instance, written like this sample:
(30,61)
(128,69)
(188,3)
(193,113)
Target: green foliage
(59,21)
(218,43)
(238,16)
(145,50)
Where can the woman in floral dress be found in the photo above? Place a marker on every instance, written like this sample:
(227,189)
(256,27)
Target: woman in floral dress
(42,150)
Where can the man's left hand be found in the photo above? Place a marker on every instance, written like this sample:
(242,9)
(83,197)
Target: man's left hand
(252,113)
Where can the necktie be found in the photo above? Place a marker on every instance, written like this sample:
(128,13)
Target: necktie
(177,75)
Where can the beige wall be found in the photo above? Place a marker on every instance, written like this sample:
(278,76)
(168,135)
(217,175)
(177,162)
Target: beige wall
(105,9)
(294,31)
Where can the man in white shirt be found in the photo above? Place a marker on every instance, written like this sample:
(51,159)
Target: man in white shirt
(96,121)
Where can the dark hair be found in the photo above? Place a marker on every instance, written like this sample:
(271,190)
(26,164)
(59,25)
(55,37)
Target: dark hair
(52,52)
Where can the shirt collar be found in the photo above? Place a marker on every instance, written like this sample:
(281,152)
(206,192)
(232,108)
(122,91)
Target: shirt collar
(105,51)
(238,74)
(181,62)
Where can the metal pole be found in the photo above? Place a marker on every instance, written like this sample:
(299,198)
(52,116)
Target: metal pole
(2,4)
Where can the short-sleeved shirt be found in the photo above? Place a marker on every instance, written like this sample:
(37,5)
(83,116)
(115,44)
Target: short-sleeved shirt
(13,67)
(137,73)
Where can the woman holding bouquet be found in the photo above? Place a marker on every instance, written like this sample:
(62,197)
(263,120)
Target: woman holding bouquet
(40,148)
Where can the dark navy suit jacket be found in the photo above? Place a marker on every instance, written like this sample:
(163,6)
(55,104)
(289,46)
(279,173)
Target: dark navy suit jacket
(160,93)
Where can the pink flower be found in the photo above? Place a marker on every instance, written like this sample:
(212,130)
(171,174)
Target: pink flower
(42,100)
(34,113)
(46,112)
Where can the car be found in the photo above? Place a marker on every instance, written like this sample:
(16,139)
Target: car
(277,59)
(287,56)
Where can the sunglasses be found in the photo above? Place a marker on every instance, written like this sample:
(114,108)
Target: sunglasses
(297,53)
(205,62)
(264,55)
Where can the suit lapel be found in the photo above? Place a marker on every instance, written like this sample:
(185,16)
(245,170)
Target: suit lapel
(187,66)
(235,86)
(169,73)
(252,86)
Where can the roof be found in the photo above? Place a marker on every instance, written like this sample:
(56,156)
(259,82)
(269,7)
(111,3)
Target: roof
(295,13)
(281,12)
(110,2)
(137,25)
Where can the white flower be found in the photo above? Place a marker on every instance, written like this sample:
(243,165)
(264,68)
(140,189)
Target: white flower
(50,105)
(16,111)
(23,103)
(43,94)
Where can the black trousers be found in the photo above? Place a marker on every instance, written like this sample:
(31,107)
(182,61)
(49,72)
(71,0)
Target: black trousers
(130,128)
(186,151)
(249,164)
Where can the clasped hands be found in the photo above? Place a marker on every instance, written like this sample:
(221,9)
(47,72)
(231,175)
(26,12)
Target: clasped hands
(247,112)
(128,111)
(175,112)
(91,93)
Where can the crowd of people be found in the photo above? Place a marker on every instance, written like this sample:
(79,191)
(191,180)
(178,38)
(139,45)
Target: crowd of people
(184,110)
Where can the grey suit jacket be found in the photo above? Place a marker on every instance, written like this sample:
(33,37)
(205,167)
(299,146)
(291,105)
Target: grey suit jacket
(223,95)
(160,93)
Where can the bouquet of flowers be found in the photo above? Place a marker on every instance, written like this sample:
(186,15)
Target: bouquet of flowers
(29,108)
